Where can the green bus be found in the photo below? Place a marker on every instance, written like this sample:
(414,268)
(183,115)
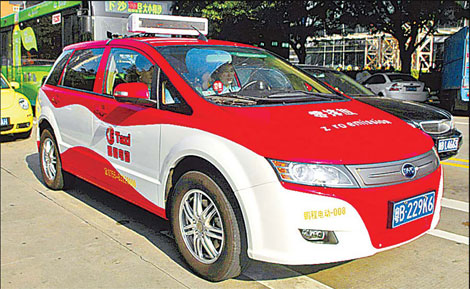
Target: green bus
(31,39)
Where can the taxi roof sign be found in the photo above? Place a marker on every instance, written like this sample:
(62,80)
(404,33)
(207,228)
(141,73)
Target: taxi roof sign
(167,24)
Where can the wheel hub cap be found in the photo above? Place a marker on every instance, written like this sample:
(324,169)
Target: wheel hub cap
(201,226)
(49,159)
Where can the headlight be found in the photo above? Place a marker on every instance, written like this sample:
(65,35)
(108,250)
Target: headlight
(335,176)
(23,103)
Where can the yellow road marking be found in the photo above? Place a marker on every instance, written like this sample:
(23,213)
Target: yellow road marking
(455,165)
(459,160)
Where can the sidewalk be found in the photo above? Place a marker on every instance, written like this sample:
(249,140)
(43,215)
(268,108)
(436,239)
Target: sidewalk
(82,238)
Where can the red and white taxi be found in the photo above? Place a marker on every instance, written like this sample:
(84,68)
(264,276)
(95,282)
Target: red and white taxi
(247,156)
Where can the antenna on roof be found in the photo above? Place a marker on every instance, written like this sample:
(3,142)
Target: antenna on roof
(201,36)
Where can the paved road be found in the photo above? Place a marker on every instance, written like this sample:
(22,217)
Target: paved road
(87,238)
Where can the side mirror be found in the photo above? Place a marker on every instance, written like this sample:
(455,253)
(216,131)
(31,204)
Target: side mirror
(133,92)
(14,85)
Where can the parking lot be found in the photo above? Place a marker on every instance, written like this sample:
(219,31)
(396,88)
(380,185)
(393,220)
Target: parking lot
(87,238)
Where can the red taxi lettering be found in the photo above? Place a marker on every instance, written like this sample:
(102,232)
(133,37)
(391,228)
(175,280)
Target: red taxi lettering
(115,137)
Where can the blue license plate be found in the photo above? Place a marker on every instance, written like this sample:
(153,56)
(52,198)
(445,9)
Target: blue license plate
(411,209)
(5,121)
(411,88)
(447,145)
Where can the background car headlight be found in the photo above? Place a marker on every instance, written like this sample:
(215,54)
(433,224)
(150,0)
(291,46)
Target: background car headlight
(335,176)
(23,103)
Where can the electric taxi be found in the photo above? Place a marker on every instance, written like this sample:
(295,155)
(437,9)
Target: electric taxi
(16,111)
(247,156)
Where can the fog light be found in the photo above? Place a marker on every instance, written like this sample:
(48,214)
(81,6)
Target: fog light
(313,235)
(319,236)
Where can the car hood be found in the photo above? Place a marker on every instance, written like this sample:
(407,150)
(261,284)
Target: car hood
(346,132)
(9,98)
(407,110)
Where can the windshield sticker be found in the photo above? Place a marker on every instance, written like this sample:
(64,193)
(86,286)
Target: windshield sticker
(308,86)
(331,112)
(218,86)
(354,124)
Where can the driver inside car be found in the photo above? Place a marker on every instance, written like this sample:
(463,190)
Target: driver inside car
(223,80)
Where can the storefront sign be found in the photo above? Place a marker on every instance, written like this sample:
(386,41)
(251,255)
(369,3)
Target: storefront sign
(56,18)
(135,7)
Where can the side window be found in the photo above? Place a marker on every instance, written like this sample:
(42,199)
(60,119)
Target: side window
(170,98)
(370,80)
(380,79)
(59,65)
(81,70)
(376,79)
(125,66)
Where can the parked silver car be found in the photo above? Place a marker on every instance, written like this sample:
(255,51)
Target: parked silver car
(397,85)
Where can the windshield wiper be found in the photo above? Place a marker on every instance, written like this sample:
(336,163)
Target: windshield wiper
(232,99)
(293,96)
(303,94)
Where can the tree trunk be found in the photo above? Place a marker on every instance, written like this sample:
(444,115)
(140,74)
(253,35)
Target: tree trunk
(301,52)
(405,58)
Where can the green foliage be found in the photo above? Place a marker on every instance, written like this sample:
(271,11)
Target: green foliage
(404,19)
(250,21)
(294,21)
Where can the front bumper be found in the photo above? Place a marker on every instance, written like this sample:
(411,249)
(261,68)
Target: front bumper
(451,134)
(20,121)
(274,213)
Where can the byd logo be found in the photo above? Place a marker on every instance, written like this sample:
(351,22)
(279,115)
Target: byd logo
(408,170)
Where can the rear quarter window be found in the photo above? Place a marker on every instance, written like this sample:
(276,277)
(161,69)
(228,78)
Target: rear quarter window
(59,65)
(82,68)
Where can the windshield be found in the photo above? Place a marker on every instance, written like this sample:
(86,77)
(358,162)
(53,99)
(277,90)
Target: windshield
(400,77)
(4,83)
(340,81)
(244,76)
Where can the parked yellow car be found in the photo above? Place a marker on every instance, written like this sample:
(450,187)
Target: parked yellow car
(16,111)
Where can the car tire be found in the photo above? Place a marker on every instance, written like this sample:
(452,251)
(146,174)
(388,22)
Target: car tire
(212,242)
(51,166)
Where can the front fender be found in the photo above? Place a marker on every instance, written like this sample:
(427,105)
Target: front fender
(241,167)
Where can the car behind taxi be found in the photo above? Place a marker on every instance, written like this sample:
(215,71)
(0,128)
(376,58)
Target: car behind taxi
(17,114)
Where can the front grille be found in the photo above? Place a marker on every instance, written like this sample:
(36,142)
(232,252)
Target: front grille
(6,127)
(436,127)
(23,125)
(383,174)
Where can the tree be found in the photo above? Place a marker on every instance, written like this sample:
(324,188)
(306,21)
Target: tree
(402,19)
(250,21)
